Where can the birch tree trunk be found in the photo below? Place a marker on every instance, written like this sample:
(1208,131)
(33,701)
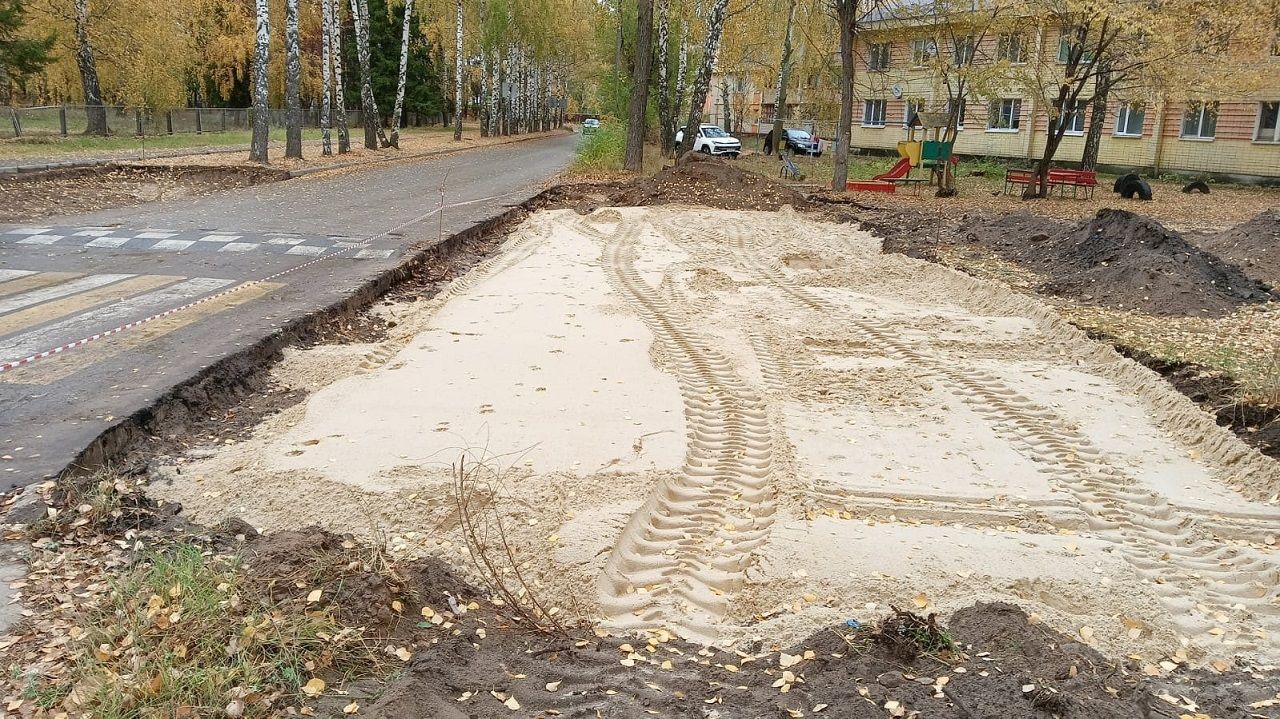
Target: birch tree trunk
(784,76)
(261,55)
(682,71)
(404,74)
(339,93)
(292,82)
(702,81)
(484,93)
(504,97)
(87,62)
(457,81)
(326,77)
(369,105)
(664,86)
(847,15)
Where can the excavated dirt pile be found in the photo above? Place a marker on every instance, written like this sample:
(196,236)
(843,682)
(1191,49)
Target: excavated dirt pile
(1253,245)
(1123,260)
(702,180)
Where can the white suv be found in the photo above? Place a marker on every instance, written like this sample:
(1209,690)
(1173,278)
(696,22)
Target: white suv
(712,140)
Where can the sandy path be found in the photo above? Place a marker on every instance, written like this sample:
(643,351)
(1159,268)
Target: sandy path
(746,425)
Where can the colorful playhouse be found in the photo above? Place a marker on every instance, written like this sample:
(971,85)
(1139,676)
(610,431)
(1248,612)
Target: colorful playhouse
(932,155)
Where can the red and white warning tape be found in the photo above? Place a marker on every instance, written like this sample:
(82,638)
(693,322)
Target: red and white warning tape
(14,364)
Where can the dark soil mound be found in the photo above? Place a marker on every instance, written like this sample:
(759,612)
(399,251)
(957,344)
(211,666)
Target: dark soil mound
(992,661)
(1121,259)
(1253,245)
(701,180)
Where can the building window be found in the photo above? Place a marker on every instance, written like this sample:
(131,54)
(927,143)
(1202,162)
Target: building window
(1073,117)
(965,47)
(922,51)
(914,108)
(1268,122)
(878,56)
(1200,122)
(873,113)
(1068,41)
(1010,46)
(1005,114)
(1129,118)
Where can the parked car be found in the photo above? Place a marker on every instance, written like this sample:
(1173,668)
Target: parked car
(802,143)
(712,140)
(590,125)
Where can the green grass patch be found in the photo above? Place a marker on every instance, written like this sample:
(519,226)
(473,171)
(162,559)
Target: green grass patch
(181,634)
(603,150)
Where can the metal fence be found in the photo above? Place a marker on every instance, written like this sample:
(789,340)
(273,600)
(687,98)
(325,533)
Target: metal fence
(65,120)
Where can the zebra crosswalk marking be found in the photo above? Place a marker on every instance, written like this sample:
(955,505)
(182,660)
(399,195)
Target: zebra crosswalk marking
(48,311)
(43,373)
(35,297)
(125,310)
(34,281)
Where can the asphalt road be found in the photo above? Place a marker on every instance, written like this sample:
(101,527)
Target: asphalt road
(247,260)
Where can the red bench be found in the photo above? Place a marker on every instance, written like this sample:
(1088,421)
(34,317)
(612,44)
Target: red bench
(1075,179)
(1061,179)
(1014,178)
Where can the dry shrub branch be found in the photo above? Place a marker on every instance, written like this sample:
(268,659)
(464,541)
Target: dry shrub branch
(477,491)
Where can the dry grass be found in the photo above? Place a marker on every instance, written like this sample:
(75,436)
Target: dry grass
(1244,345)
(177,635)
(127,619)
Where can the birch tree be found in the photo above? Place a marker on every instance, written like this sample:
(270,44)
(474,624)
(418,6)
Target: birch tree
(372,124)
(261,119)
(664,70)
(846,13)
(339,94)
(326,77)
(457,80)
(87,62)
(682,74)
(633,159)
(292,82)
(403,76)
(702,81)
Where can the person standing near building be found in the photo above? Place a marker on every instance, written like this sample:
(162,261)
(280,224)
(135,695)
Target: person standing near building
(768,142)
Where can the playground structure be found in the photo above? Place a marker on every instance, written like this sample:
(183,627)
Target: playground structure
(932,154)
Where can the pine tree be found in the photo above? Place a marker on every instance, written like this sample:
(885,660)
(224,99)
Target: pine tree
(20,57)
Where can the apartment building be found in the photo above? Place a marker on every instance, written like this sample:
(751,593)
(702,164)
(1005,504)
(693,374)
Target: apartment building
(1235,136)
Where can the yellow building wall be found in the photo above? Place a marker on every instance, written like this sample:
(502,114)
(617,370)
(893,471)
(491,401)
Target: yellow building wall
(1231,152)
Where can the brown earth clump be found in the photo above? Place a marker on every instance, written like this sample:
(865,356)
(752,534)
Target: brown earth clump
(1122,260)
(29,197)
(1253,245)
(702,180)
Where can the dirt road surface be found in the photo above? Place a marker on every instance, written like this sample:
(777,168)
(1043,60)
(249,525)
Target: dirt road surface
(739,425)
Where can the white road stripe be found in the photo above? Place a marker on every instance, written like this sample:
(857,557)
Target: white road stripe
(28,230)
(14,274)
(103,318)
(40,240)
(34,297)
(107,242)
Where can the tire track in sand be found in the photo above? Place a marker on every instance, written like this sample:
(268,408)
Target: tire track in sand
(1208,587)
(689,545)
